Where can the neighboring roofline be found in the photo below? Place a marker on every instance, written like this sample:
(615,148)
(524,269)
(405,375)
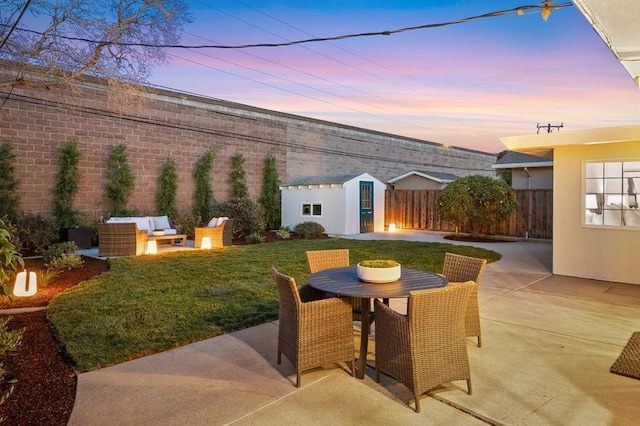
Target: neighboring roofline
(328,184)
(577,137)
(522,165)
(424,175)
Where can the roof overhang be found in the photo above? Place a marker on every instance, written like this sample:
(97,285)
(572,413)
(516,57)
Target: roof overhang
(423,175)
(616,21)
(523,165)
(578,137)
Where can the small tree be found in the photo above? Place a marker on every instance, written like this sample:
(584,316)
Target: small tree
(238,177)
(203,194)
(475,202)
(67,185)
(120,181)
(269,196)
(10,204)
(167,190)
(504,174)
(10,259)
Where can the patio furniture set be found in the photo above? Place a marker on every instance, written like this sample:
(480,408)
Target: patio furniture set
(130,236)
(423,349)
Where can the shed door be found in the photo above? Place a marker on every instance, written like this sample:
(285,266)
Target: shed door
(366,207)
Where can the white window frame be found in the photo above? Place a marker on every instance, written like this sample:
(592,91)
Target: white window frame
(608,199)
(312,207)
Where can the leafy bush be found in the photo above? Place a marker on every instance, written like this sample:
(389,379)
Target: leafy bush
(62,256)
(283,233)
(119,181)
(167,190)
(238,177)
(475,202)
(45,276)
(10,204)
(247,214)
(255,238)
(187,222)
(269,196)
(203,194)
(67,185)
(309,230)
(92,223)
(9,342)
(10,259)
(36,231)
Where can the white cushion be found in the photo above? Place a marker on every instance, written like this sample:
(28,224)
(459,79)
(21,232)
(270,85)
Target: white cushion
(144,223)
(631,217)
(222,220)
(161,222)
(119,220)
(212,222)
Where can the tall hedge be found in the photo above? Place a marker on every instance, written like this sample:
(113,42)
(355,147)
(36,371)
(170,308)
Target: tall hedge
(66,188)
(120,181)
(10,205)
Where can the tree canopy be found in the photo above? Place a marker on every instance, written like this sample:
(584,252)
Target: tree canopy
(73,38)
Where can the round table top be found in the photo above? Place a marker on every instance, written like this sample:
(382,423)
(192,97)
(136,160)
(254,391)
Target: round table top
(345,282)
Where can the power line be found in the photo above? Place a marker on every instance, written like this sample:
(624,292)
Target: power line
(520,10)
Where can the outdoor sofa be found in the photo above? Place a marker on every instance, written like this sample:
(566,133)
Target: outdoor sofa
(127,236)
(220,230)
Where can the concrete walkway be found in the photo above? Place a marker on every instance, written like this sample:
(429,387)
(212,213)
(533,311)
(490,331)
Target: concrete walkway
(548,344)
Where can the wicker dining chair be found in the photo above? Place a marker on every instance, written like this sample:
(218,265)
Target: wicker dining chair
(458,268)
(426,347)
(311,332)
(319,260)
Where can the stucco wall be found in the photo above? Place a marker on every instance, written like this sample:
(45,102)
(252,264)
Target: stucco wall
(536,178)
(333,202)
(183,127)
(605,253)
(414,182)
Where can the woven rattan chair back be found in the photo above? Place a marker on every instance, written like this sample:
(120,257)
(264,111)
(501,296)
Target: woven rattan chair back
(459,268)
(426,347)
(312,333)
(319,260)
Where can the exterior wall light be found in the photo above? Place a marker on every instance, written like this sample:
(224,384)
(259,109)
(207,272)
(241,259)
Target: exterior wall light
(392,227)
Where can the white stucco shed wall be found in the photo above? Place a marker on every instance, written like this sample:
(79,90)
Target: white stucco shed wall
(340,205)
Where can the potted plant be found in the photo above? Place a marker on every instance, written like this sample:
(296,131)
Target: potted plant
(378,271)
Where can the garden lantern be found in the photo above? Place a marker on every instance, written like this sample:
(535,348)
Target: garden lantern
(26,284)
(206,243)
(152,247)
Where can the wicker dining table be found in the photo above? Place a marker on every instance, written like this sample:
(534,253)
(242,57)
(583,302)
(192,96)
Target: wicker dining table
(345,282)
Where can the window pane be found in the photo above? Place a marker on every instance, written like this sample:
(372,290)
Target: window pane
(594,170)
(613,169)
(613,186)
(317,209)
(306,209)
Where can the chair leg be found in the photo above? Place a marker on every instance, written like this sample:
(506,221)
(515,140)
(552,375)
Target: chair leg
(417,398)
(279,357)
(297,379)
(469,390)
(479,341)
(377,376)
(353,368)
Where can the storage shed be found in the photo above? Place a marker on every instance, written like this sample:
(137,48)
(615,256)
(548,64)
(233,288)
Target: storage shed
(342,204)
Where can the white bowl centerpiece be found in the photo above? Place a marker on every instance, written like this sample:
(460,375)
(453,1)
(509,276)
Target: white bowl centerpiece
(379,271)
(157,232)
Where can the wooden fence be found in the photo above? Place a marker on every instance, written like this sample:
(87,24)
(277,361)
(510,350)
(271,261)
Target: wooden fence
(417,210)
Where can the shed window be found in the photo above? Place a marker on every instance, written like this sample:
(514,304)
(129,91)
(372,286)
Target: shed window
(611,196)
(312,209)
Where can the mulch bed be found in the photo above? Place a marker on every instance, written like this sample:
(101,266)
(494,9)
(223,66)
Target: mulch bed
(45,383)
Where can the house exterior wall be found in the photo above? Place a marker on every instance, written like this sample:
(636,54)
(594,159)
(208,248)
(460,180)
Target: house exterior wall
(182,127)
(604,254)
(333,201)
(536,178)
(414,182)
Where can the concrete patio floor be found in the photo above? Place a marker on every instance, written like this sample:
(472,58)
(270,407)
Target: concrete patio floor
(548,344)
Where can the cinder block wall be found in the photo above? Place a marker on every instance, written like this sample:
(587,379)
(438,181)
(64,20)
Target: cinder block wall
(183,127)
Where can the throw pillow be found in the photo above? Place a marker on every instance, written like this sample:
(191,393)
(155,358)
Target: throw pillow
(161,222)
(212,223)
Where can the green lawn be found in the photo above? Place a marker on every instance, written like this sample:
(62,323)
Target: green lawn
(149,304)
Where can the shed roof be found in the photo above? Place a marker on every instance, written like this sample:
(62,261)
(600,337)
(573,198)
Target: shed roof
(515,159)
(441,177)
(321,180)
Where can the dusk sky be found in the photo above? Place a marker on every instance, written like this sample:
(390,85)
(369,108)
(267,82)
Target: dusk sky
(464,85)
